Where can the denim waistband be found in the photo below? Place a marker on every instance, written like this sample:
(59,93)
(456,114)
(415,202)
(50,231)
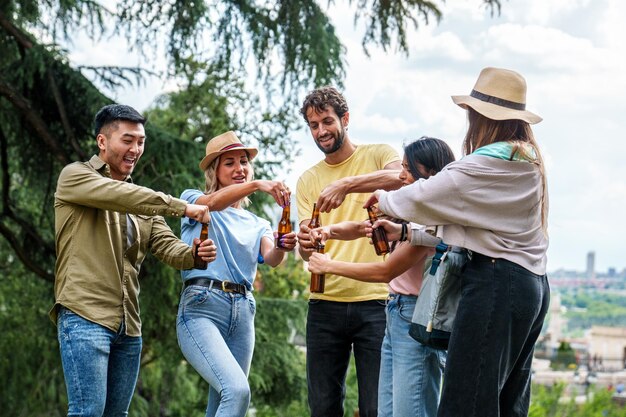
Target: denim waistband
(396,296)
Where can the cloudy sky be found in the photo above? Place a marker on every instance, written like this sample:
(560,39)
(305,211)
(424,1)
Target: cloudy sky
(573,57)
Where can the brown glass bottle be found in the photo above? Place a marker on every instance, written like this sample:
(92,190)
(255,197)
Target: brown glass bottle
(284,225)
(315,218)
(198,262)
(379,236)
(318,280)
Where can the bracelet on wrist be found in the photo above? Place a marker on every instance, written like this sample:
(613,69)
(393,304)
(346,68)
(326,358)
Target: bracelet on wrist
(404,233)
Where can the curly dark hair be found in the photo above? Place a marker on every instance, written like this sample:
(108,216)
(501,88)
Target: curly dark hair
(320,98)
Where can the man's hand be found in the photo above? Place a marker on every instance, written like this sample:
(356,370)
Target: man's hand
(198,212)
(318,263)
(332,196)
(206,249)
(307,246)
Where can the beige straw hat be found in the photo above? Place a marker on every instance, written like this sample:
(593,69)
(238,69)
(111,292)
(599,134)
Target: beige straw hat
(223,143)
(499,94)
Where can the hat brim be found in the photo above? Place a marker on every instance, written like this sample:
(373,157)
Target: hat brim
(208,159)
(494,111)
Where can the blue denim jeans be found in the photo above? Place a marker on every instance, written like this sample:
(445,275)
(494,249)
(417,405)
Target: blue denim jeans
(100,366)
(410,373)
(498,321)
(216,335)
(333,330)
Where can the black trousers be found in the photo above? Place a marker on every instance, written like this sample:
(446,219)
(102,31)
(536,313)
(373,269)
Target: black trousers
(498,321)
(333,330)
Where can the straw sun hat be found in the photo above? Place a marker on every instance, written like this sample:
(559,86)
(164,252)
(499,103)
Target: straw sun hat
(499,94)
(223,143)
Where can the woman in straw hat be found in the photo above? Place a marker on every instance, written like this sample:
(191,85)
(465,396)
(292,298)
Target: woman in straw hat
(215,323)
(493,202)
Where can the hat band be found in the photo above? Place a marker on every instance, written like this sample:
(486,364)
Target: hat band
(498,101)
(231,146)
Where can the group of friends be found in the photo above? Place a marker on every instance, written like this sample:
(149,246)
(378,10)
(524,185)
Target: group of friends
(493,202)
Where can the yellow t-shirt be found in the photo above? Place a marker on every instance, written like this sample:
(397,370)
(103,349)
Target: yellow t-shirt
(365,159)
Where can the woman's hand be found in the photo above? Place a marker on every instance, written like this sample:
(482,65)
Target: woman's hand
(287,241)
(321,234)
(373,199)
(393,230)
(277,189)
(318,263)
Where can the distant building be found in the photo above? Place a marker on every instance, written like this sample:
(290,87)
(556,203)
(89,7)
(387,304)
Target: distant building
(591,265)
(607,347)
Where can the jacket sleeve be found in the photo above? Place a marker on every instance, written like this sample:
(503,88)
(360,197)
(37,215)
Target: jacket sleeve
(167,247)
(80,184)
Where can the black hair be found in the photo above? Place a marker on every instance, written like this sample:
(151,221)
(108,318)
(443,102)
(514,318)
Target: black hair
(320,98)
(433,153)
(114,112)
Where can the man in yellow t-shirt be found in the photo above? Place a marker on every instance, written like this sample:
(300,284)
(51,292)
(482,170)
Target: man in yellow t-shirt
(349,314)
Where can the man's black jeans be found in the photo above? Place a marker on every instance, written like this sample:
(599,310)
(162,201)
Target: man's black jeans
(333,328)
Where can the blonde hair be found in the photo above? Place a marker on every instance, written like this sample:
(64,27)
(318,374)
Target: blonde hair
(483,131)
(211,184)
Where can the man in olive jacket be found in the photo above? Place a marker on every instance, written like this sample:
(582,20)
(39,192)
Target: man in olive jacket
(104,227)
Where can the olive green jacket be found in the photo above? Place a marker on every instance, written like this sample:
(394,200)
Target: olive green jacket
(104,229)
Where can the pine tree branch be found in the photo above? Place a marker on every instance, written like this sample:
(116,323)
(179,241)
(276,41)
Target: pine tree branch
(14,31)
(69,132)
(33,119)
(7,213)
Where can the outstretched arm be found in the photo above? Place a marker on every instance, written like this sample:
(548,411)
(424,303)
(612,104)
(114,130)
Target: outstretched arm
(227,196)
(334,193)
(273,256)
(398,262)
(347,230)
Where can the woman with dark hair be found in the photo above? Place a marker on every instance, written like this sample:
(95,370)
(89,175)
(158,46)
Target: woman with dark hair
(494,202)
(410,373)
(215,324)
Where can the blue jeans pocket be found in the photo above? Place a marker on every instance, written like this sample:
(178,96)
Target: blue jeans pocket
(195,295)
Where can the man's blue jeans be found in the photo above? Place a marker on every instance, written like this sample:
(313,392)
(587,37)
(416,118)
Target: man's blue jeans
(410,373)
(333,330)
(216,335)
(498,321)
(100,366)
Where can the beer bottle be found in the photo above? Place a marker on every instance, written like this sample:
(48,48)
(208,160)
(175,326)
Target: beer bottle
(379,237)
(284,225)
(198,262)
(315,218)
(318,280)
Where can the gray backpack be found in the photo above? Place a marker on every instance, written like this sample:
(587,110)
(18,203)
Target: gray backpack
(438,300)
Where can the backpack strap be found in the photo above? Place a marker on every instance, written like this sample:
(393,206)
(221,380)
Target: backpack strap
(440,249)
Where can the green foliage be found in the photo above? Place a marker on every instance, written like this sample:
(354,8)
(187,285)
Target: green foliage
(553,401)
(565,357)
(30,365)
(589,308)
(287,281)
